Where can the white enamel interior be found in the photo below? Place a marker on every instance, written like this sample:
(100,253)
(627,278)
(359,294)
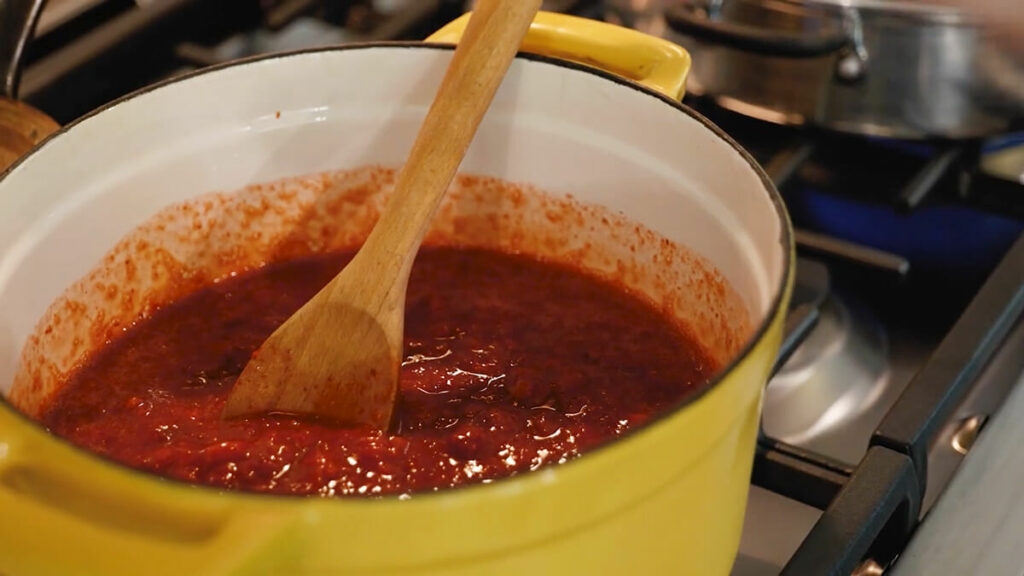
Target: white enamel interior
(563,130)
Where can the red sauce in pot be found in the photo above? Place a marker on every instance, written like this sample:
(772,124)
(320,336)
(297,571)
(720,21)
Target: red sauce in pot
(511,364)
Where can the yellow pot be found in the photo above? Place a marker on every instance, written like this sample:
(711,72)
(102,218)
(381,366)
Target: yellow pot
(667,498)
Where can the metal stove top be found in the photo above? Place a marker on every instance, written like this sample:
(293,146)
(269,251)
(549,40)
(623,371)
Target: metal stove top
(904,339)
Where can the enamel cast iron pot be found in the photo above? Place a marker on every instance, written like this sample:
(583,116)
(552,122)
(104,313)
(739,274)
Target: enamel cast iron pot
(667,497)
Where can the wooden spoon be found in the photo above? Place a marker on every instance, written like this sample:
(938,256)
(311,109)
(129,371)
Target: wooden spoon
(338,357)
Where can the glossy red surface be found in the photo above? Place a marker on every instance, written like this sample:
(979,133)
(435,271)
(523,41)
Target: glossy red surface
(511,364)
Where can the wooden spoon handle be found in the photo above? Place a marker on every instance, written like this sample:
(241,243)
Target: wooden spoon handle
(491,40)
(339,356)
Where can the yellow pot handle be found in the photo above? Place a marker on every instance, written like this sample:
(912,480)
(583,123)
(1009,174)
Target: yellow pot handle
(64,512)
(653,62)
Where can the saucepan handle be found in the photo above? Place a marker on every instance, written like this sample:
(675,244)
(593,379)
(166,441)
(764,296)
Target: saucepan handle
(67,512)
(688,20)
(18,20)
(653,62)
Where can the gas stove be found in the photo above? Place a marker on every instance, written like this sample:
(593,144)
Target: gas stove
(890,423)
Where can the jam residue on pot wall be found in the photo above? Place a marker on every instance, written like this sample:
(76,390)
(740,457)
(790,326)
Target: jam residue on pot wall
(218,235)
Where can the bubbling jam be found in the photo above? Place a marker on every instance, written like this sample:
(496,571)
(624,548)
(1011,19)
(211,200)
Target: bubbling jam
(511,364)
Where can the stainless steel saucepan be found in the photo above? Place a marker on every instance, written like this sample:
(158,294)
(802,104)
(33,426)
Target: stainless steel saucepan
(892,68)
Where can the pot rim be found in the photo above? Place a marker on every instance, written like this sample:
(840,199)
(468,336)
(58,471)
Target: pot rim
(779,296)
(920,11)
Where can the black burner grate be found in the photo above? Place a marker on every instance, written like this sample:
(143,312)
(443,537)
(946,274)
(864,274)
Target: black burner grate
(871,510)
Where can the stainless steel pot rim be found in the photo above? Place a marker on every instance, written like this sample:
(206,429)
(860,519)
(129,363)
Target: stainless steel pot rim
(925,10)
